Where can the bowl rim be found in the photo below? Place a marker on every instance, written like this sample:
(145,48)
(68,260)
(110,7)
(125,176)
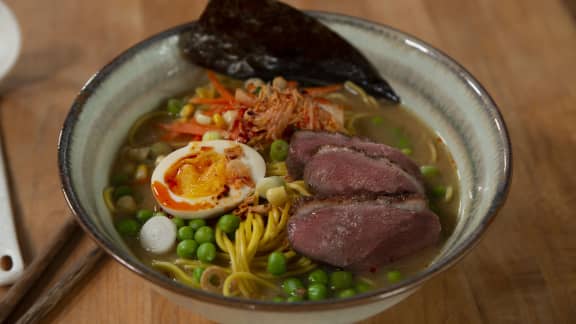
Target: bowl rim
(73,201)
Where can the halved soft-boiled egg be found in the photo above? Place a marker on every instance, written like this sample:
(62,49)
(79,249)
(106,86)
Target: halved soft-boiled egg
(207,178)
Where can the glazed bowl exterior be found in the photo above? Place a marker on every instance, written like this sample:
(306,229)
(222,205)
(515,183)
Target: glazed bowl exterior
(435,88)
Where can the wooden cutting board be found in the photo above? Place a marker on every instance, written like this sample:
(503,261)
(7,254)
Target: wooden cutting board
(523,51)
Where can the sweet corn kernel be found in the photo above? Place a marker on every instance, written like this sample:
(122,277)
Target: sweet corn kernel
(205,92)
(141,174)
(187,111)
(219,121)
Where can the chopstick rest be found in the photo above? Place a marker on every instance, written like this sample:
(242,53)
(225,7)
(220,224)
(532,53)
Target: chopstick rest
(11,264)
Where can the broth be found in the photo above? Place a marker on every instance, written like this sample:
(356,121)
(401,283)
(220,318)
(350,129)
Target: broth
(392,125)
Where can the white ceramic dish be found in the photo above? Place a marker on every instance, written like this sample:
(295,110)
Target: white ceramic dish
(430,84)
(9,40)
(11,264)
(9,249)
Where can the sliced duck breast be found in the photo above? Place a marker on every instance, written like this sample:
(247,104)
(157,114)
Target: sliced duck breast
(304,144)
(336,170)
(362,235)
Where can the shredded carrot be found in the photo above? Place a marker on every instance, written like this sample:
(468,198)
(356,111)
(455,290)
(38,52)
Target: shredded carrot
(219,86)
(209,101)
(318,91)
(189,127)
(217,109)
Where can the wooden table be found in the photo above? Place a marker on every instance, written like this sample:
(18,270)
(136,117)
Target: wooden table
(523,51)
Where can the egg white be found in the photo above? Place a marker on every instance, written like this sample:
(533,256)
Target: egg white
(250,157)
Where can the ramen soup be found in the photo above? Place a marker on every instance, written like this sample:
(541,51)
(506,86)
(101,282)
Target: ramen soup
(277,192)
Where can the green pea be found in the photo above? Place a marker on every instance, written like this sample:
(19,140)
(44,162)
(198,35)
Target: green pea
(293,286)
(127,227)
(187,249)
(206,252)
(278,299)
(204,234)
(393,276)
(279,150)
(196,223)
(174,106)
(120,179)
(429,170)
(341,280)
(197,274)
(229,223)
(143,215)
(318,276)
(438,191)
(294,299)
(122,191)
(403,143)
(362,287)
(178,221)
(276,263)
(185,233)
(317,291)
(346,293)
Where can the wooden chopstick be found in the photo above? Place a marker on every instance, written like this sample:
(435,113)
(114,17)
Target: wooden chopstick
(35,269)
(61,289)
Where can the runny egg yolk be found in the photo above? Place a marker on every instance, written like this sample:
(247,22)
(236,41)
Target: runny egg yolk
(198,175)
(206,179)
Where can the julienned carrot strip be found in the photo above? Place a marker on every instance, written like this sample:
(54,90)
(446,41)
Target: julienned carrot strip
(209,101)
(317,91)
(219,86)
(217,109)
(189,127)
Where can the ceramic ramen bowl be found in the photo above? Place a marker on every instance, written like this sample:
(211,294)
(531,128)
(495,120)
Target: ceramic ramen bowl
(434,87)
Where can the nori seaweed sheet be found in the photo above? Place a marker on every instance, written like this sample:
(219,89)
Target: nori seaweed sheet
(267,38)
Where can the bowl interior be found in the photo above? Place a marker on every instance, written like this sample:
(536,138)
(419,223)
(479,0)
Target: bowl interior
(435,88)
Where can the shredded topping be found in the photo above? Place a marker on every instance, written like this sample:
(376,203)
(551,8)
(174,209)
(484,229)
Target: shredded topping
(276,110)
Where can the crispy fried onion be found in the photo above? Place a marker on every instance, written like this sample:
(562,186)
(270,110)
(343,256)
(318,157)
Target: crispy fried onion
(275,110)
